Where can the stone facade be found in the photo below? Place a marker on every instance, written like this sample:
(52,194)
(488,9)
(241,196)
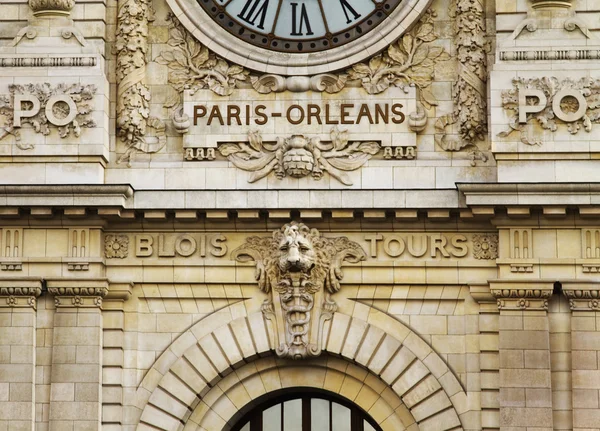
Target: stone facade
(409,220)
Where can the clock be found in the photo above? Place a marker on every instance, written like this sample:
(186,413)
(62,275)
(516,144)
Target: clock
(297,37)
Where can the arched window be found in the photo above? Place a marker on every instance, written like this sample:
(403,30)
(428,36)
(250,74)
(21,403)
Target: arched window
(304,410)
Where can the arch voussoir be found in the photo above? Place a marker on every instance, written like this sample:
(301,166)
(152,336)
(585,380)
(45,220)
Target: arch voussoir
(211,376)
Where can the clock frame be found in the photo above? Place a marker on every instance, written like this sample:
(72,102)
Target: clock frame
(220,32)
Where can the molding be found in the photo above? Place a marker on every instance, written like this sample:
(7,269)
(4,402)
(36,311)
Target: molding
(46,61)
(119,291)
(583,295)
(78,293)
(522,295)
(20,292)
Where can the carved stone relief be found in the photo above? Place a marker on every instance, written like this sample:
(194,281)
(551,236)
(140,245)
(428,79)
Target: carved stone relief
(116,246)
(133,95)
(551,102)
(299,156)
(300,269)
(470,89)
(193,66)
(485,246)
(66,106)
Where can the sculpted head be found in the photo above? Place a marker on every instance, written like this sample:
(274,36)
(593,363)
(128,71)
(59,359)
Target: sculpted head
(296,250)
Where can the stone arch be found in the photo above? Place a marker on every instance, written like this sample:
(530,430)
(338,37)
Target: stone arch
(336,375)
(203,356)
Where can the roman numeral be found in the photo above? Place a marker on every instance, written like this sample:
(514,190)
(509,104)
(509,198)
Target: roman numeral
(298,24)
(347,8)
(250,13)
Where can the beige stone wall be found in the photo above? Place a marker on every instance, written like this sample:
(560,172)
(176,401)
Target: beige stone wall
(145,262)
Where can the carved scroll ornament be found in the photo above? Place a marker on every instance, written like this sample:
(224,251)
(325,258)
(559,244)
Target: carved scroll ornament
(299,269)
(298,156)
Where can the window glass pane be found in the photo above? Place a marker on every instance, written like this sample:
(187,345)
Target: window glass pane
(246,427)
(319,414)
(292,415)
(272,418)
(340,417)
(368,426)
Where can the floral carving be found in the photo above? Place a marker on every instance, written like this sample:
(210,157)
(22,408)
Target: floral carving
(589,88)
(485,246)
(411,60)
(116,246)
(299,156)
(470,89)
(80,94)
(133,95)
(193,66)
(299,269)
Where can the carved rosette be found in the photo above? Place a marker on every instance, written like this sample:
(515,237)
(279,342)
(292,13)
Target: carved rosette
(69,294)
(300,270)
(116,246)
(485,246)
(51,7)
(470,89)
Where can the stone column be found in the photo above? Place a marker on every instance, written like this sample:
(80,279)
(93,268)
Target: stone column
(584,300)
(17,352)
(524,346)
(76,376)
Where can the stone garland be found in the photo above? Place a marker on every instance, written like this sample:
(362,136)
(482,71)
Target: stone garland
(299,156)
(470,107)
(133,95)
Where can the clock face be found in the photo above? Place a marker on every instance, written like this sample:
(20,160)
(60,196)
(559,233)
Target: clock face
(299,26)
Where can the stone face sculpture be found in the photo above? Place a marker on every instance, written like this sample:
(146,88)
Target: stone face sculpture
(300,269)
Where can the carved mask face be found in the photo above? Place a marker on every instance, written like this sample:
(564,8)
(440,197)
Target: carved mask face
(296,252)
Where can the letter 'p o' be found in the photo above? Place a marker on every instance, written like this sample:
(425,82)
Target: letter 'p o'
(20,113)
(524,108)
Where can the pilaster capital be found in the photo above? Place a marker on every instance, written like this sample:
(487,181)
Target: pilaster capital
(20,292)
(545,4)
(583,295)
(80,293)
(51,7)
(522,294)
